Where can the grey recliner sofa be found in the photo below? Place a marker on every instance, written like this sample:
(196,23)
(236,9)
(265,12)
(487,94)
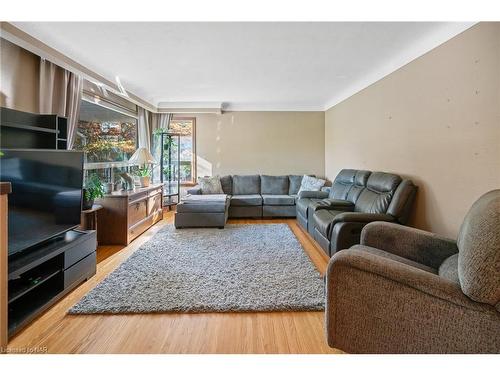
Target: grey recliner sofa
(404,290)
(259,195)
(336,217)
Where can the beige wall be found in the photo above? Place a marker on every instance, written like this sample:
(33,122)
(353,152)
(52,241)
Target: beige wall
(260,142)
(19,77)
(436,120)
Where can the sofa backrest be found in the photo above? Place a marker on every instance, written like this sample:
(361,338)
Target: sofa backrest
(246,185)
(294,182)
(377,195)
(348,184)
(275,185)
(402,201)
(479,250)
(227,184)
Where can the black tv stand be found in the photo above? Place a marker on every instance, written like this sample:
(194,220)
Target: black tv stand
(40,277)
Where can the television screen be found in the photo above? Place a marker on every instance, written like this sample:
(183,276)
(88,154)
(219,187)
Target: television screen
(46,196)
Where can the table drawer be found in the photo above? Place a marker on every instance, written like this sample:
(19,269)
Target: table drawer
(154,204)
(137,211)
(155,191)
(137,196)
(139,229)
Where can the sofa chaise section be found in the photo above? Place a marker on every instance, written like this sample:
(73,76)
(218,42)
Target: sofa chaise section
(198,211)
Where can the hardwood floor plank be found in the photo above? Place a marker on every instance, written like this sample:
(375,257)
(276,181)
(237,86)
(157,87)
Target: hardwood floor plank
(266,332)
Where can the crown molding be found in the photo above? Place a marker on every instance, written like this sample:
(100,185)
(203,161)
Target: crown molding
(190,107)
(273,107)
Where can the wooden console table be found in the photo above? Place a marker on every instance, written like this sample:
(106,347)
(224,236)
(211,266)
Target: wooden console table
(5,189)
(127,214)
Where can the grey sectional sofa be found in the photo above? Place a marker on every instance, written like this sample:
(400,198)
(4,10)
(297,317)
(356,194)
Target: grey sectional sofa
(259,195)
(335,218)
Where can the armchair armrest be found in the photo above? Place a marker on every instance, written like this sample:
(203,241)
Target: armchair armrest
(414,244)
(404,274)
(196,190)
(313,194)
(326,189)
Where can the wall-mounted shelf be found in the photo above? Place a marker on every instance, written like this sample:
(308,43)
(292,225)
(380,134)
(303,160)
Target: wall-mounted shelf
(30,130)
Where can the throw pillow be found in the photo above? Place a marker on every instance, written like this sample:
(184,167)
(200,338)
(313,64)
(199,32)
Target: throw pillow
(311,184)
(210,185)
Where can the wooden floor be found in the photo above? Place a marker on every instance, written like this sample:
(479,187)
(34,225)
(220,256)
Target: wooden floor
(267,332)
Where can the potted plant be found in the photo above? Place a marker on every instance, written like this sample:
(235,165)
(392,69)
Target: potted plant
(144,174)
(93,189)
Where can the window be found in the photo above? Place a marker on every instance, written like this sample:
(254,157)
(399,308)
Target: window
(186,126)
(105,134)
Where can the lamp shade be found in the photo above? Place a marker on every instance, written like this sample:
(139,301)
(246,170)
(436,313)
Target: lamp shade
(142,156)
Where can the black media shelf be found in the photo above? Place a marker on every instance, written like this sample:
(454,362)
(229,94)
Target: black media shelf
(25,286)
(41,275)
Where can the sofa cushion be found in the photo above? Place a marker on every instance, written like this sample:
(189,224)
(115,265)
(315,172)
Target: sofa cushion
(246,200)
(210,185)
(323,220)
(377,195)
(274,185)
(203,203)
(402,201)
(342,184)
(245,185)
(278,200)
(227,184)
(311,184)
(303,205)
(294,184)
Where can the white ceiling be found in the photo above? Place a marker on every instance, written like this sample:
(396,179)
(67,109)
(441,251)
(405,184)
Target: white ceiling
(247,66)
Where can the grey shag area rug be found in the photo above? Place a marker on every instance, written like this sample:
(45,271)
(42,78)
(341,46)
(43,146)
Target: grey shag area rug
(240,268)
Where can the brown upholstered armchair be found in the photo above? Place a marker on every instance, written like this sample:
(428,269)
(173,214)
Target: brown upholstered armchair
(404,290)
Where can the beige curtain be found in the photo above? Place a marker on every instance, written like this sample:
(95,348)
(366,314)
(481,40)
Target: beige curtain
(143,128)
(157,121)
(60,93)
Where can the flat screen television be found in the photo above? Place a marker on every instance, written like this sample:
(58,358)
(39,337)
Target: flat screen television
(46,198)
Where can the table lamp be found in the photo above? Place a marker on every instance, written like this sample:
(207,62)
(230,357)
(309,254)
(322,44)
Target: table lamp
(143,158)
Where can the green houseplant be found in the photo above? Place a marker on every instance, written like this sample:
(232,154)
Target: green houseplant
(94,188)
(144,174)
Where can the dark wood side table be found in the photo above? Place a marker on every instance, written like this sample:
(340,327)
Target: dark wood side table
(89,218)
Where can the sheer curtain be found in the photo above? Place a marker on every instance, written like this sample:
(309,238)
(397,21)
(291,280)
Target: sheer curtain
(157,121)
(60,92)
(143,128)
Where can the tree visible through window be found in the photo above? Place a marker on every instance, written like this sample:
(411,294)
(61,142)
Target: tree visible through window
(186,127)
(105,135)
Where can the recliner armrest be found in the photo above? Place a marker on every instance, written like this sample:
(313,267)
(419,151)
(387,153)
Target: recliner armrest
(313,194)
(361,217)
(194,191)
(414,244)
(338,204)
